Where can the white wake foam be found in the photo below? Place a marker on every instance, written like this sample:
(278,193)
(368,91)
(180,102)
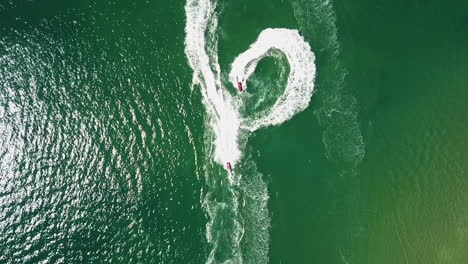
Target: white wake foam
(202,56)
(224,117)
(223,110)
(300,85)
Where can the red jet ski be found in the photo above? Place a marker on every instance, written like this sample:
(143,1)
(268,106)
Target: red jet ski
(239,86)
(229,167)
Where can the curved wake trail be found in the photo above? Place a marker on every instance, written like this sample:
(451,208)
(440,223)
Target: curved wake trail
(201,18)
(300,86)
(224,202)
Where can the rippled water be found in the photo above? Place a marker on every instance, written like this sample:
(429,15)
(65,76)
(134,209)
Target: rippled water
(106,150)
(97,143)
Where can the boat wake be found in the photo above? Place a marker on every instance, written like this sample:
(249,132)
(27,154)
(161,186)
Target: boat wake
(300,85)
(224,202)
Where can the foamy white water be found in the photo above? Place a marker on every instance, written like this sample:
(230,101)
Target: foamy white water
(223,110)
(300,85)
(224,117)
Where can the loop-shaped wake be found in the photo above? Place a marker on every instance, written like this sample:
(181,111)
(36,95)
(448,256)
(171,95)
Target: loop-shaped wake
(226,229)
(300,85)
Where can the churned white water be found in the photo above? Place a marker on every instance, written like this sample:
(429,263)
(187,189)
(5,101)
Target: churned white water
(226,124)
(300,85)
(224,116)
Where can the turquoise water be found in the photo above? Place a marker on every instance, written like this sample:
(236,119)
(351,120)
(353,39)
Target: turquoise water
(108,150)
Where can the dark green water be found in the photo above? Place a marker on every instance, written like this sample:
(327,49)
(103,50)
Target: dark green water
(102,140)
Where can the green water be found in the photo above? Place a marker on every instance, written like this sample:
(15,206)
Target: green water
(97,135)
(103,154)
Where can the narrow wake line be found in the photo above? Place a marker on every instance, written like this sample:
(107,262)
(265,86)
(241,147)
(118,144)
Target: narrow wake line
(226,124)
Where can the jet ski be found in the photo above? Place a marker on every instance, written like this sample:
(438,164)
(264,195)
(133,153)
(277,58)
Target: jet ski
(229,167)
(239,86)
